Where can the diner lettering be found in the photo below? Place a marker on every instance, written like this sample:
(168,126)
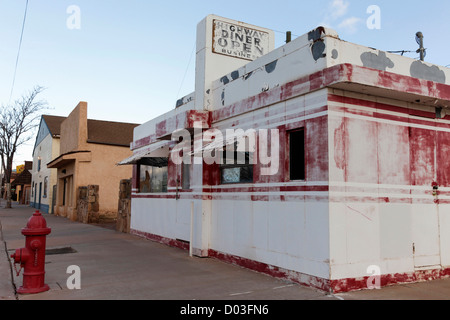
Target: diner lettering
(239,41)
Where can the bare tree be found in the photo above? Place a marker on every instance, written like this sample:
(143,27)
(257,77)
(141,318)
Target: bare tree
(17,122)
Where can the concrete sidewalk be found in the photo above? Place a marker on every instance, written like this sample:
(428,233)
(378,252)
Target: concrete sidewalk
(117,266)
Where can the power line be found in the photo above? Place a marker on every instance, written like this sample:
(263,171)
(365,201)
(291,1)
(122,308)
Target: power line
(18,52)
(401,51)
(187,68)
(284,32)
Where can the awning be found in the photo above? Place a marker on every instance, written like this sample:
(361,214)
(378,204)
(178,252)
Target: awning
(70,157)
(156,154)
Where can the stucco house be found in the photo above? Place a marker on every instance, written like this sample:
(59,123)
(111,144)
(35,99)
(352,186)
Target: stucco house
(344,178)
(46,148)
(89,152)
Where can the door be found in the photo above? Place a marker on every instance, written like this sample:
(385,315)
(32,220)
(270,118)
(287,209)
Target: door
(40,194)
(425,228)
(425,208)
(53,199)
(64,192)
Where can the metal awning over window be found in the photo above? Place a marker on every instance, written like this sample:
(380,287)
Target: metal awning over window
(155,162)
(156,154)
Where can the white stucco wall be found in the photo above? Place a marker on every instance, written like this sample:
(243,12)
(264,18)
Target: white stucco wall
(46,150)
(379,214)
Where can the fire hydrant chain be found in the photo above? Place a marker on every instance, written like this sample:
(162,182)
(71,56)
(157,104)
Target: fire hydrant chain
(20,269)
(35,257)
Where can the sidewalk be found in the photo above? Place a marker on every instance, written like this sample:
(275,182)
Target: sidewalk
(118,266)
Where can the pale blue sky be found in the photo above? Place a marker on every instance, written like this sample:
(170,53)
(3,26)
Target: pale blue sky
(129,58)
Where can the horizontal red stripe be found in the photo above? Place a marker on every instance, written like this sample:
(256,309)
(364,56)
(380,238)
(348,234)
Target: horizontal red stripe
(309,188)
(266,189)
(297,198)
(403,116)
(336,74)
(167,241)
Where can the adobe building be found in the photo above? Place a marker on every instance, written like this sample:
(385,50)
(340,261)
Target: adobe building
(89,152)
(356,190)
(46,148)
(22,183)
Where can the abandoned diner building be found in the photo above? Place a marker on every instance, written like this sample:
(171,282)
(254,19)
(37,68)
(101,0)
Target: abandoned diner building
(348,172)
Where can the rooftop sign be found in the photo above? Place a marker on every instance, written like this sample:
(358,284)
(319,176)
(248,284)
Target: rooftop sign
(238,41)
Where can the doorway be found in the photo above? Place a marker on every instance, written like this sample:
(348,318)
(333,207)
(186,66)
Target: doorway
(40,196)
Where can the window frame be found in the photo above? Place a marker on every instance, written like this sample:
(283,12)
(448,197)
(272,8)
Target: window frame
(248,164)
(150,191)
(185,176)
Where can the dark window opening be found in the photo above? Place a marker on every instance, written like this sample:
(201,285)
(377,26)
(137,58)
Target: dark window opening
(186,176)
(297,155)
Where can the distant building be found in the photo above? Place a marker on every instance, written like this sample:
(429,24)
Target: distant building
(4,182)
(89,152)
(357,187)
(46,148)
(21,185)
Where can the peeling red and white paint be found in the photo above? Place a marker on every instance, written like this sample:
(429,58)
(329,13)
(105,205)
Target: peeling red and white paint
(377,187)
(332,286)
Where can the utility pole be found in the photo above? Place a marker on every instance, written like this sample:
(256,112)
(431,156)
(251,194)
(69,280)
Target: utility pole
(288,36)
(421,50)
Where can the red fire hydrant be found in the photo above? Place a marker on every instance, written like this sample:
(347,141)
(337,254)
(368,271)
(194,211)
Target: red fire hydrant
(32,257)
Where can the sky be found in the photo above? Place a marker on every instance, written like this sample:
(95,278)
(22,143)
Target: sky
(131,60)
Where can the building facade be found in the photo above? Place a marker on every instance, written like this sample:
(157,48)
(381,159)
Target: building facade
(21,185)
(46,148)
(344,183)
(89,152)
